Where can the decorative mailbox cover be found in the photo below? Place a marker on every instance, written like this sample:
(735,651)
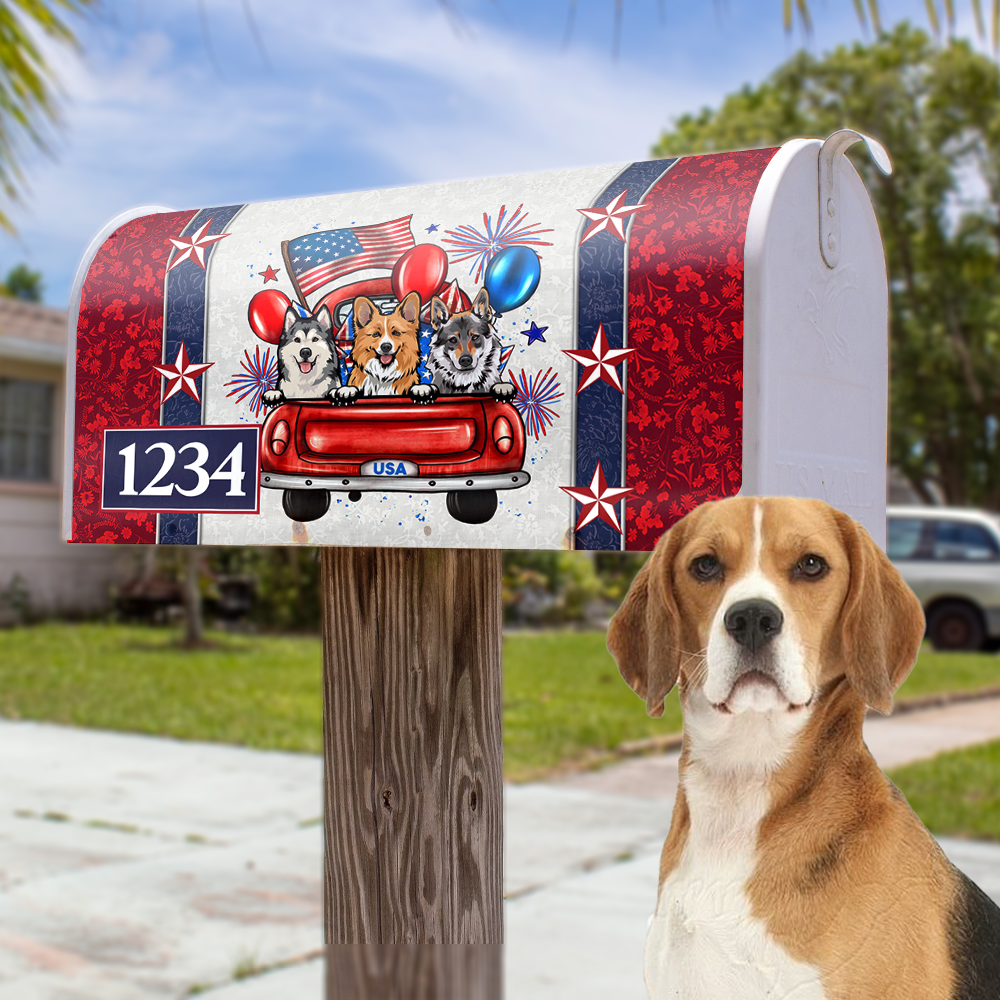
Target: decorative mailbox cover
(569,359)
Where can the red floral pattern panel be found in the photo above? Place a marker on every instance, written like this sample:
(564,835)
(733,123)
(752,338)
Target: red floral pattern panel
(119,338)
(684,433)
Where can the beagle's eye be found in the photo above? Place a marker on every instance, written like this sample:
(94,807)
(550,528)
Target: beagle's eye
(810,567)
(706,568)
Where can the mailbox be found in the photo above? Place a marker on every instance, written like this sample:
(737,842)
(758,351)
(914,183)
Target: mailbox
(572,359)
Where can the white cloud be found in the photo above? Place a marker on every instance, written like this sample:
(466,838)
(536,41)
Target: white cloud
(359,96)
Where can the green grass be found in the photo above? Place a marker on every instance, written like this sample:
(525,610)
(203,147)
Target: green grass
(937,672)
(564,700)
(956,794)
(258,691)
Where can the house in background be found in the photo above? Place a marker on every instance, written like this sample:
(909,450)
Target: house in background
(55,577)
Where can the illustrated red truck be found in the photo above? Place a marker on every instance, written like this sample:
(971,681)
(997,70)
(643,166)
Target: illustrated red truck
(466,446)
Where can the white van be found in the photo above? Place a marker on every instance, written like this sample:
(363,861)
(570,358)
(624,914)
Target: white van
(950,557)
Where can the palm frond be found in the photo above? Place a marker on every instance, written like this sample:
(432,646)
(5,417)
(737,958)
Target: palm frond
(571,16)
(932,17)
(803,6)
(949,13)
(29,90)
(977,9)
(859,9)
(875,15)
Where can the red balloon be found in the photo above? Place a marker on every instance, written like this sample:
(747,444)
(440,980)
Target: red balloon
(422,269)
(267,314)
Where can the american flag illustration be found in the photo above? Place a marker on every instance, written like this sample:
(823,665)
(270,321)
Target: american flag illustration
(316,259)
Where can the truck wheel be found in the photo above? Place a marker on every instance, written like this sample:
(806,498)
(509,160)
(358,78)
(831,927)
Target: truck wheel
(473,506)
(305,505)
(956,626)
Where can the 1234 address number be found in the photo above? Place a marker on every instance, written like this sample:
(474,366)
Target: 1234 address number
(202,469)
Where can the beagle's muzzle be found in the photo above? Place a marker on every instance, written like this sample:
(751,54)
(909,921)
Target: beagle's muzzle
(793,867)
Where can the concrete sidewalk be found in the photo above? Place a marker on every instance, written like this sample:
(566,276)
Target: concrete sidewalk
(134,868)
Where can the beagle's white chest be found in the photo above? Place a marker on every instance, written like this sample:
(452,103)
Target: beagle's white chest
(703,942)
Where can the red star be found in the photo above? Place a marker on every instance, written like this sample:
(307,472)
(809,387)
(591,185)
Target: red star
(181,375)
(598,500)
(194,248)
(268,275)
(600,362)
(610,218)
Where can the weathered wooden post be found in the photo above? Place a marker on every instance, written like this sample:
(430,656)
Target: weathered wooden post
(630,341)
(414,793)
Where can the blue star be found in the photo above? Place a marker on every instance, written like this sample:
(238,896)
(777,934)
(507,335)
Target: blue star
(432,228)
(535,333)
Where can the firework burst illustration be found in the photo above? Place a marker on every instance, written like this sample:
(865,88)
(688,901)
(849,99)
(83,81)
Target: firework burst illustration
(258,375)
(482,247)
(535,394)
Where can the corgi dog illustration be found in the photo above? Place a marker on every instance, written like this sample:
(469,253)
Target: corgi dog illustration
(386,352)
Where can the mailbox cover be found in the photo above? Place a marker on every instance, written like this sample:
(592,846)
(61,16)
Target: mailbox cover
(570,359)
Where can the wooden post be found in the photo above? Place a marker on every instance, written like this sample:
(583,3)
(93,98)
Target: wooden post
(413,774)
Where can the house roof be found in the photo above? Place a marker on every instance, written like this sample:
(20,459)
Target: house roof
(31,332)
(30,321)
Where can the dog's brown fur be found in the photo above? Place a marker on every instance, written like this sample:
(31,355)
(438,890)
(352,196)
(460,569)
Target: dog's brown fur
(402,325)
(847,879)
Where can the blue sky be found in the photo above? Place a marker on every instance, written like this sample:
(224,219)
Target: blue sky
(160,111)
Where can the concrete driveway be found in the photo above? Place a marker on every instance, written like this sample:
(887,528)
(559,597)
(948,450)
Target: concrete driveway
(135,868)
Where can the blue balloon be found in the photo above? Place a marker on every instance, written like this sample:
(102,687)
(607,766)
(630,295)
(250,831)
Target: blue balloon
(512,277)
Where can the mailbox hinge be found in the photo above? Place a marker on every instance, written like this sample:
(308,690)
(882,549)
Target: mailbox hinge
(830,155)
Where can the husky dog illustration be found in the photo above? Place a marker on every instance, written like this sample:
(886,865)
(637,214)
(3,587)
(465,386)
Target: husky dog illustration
(386,353)
(465,351)
(308,366)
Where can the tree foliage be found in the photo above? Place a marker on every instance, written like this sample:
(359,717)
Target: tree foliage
(23,283)
(937,111)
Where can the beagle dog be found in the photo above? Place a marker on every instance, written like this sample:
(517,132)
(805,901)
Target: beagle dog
(794,869)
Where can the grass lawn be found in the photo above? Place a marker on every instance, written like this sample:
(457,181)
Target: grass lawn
(956,793)
(937,672)
(259,691)
(563,696)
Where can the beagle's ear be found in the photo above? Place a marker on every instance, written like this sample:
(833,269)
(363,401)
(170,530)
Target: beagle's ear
(882,622)
(643,635)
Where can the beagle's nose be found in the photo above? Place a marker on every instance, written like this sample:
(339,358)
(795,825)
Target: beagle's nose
(753,623)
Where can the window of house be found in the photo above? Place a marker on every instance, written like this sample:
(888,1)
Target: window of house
(25,429)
